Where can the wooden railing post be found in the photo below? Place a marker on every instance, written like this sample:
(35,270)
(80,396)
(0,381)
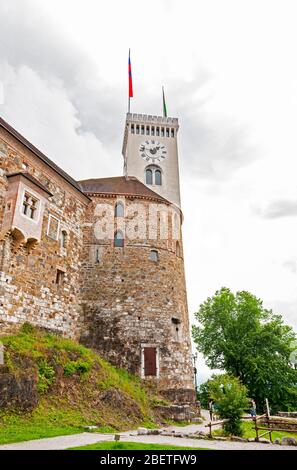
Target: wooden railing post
(256,429)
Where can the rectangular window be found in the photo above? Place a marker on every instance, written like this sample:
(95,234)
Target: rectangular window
(132,128)
(53,227)
(150,361)
(172,132)
(167,132)
(29,206)
(157,131)
(147,130)
(60,275)
(152,130)
(162,131)
(142,130)
(137,129)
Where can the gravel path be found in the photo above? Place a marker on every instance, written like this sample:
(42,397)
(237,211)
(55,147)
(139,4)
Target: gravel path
(76,440)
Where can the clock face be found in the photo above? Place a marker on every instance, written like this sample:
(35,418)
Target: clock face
(152,151)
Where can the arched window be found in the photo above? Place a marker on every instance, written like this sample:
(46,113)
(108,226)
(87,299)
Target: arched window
(158,177)
(119,239)
(148,176)
(119,209)
(154,256)
(153,175)
(63,239)
(177,249)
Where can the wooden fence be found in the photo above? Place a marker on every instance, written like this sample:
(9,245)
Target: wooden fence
(258,425)
(266,426)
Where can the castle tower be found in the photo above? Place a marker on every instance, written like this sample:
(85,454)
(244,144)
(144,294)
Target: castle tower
(134,295)
(150,153)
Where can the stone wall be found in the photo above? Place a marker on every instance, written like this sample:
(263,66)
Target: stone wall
(116,300)
(130,301)
(28,288)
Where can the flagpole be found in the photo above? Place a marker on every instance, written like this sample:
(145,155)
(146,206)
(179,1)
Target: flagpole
(129,83)
(130,86)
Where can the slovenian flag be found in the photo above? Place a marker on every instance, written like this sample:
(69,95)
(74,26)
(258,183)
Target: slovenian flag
(130,78)
(164,104)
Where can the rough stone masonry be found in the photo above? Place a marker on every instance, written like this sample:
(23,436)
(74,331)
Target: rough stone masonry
(100,261)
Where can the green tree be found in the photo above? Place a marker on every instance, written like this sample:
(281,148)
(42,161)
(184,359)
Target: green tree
(230,399)
(203,394)
(237,334)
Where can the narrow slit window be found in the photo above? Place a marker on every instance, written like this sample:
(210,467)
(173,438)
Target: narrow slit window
(149,177)
(158,177)
(60,277)
(119,239)
(119,209)
(63,239)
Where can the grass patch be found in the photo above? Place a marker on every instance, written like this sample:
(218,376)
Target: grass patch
(249,431)
(37,425)
(133,446)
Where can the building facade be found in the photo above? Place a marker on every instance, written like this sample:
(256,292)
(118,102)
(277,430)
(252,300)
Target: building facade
(100,260)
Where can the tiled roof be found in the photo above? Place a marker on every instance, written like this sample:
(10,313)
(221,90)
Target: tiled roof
(122,185)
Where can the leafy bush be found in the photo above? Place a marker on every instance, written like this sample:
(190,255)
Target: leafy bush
(27,328)
(230,400)
(46,376)
(77,367)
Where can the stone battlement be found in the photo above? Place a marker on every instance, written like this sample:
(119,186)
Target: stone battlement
(149,118)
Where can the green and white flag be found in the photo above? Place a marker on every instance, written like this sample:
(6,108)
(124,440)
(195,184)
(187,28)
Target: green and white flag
(164,104)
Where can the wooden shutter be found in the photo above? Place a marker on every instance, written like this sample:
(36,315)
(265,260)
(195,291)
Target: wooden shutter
(150,361)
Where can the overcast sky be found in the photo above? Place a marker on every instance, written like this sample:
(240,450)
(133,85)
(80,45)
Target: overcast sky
(230,72)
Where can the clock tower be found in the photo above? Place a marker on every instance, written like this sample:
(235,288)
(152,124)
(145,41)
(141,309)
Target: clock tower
(150,153)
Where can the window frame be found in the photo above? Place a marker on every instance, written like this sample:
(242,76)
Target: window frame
(119,204)
(115,239)
(153,169)
(34,198)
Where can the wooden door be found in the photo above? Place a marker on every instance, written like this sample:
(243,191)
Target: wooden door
(150,361)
